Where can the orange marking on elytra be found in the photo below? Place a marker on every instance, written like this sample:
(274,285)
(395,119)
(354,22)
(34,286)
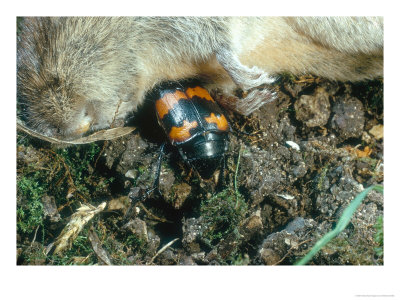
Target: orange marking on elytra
(199,92)
(180,134)
(168,101)
(220,120)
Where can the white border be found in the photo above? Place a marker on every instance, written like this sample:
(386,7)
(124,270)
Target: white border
(198,282)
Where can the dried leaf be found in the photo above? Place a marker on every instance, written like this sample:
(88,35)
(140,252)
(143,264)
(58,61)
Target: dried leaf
(102,135)
(78,220)
(364,153)
(102,254)
(359,153)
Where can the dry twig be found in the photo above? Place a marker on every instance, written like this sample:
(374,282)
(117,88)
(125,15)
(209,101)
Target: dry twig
(163,249)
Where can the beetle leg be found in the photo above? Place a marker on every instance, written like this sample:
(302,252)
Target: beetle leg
(221,177)
(158,171)
(138,194)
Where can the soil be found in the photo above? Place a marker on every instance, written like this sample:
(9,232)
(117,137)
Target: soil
(292,167)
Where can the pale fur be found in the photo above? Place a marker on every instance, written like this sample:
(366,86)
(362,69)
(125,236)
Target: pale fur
(77,70)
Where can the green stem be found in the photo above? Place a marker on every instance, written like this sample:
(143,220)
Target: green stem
(341,225)
(236,174)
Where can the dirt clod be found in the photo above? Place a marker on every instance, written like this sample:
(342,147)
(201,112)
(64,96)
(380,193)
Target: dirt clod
(348,117)
(313,110)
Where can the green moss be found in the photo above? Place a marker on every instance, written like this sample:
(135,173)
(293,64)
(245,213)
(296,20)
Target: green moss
(79,159)
(34,254)
(222,214)
(321,177)
(347,251)
(379,237)
(287,77)
(65,174)
(30,213)
(137,244)
(240,260)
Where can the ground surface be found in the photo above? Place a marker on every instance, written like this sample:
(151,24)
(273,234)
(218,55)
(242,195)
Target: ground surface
(285,185)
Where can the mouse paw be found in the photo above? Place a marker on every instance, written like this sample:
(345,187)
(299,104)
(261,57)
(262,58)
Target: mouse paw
(250,78)
(254,100)
(245,77)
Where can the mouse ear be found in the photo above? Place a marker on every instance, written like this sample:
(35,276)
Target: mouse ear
(102,135)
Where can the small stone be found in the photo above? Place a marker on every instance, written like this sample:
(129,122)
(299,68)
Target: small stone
(254,223)
(293,145)
(269,257)
(295,225)
(187,261)
(153,242)
(199,257)
(50,208)
(377,131)
(286,196)
(299,170)
(131,174)
(138,227)
(365,137)
(192,230)
(212,255)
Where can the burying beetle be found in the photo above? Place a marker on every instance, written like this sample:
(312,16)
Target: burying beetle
(195,124)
